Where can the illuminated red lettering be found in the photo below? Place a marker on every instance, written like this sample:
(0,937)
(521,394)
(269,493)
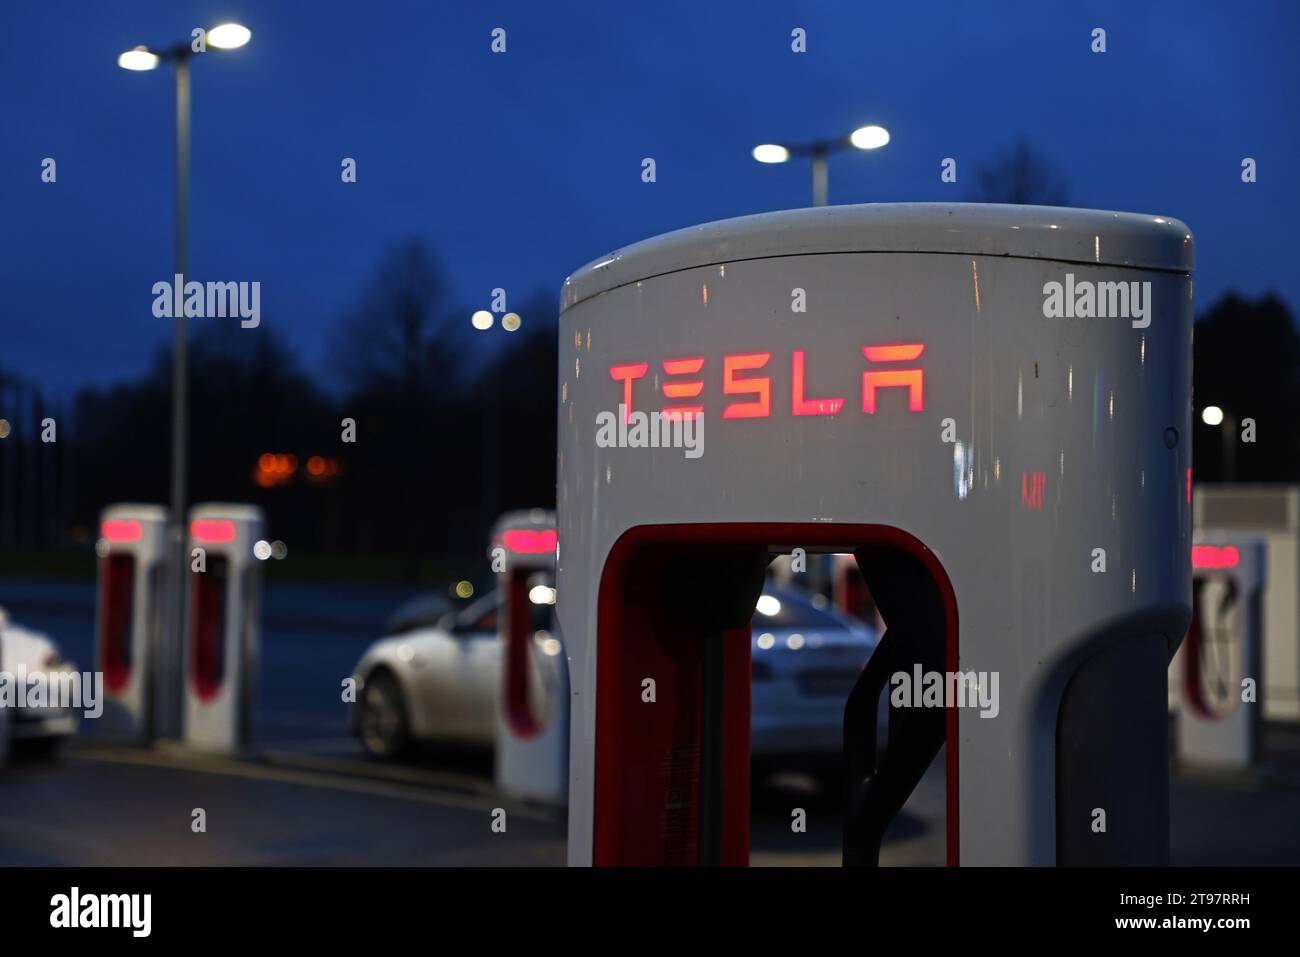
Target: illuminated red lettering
(685,382)
(121,530)
(1211,556)
(213,530)
(761,386)
(801,406)
(1032,486)
(911,379)
(526,541)
(626,373)
(683,390)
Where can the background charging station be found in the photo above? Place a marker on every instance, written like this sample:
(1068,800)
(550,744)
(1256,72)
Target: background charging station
(132,551)
(923,341)
(532,737)
(223,627)
(1270,513)
(1216,728)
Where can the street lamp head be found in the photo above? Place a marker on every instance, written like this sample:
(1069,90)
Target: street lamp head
(229,36)
(869,137)
(138,59)
(1212,415)
(771,153)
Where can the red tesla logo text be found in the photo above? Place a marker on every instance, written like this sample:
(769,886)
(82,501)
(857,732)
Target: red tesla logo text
(753,391)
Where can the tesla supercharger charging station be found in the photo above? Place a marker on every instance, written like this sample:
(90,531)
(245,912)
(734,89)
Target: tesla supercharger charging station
(532,740)
(132,552)
(1216,727)
(907,383)
(223,626)
(1270,513)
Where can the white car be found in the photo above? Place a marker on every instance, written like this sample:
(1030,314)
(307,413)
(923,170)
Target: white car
(35,730)
(442,683)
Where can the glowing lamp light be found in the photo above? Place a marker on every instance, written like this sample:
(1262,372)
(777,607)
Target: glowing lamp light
(771,153)
(120,530)
(482,320)
(138,59)
(768,605)
(229,36)
(869,137)
(1212,415)
(541,595)
(213,530)
(1212,556)
(524,541)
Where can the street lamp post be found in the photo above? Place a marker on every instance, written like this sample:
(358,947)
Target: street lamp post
(863,138)
(164,719)
(1213,415)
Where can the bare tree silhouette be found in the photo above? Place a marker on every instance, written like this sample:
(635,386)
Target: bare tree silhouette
(1020,175)
(390,337)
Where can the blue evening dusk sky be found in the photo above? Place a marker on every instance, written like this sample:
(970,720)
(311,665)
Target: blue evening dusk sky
(518,168)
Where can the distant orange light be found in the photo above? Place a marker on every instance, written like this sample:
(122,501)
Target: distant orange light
(316,465)
(274,469)
(121,530)
(215,530)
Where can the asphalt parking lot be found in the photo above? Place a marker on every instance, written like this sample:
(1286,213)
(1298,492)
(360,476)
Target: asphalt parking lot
(307,794)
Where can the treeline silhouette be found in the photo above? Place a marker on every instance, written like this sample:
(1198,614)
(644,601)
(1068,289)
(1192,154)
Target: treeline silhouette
(452,427)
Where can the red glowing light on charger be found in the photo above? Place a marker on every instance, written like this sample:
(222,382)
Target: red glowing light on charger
(683,390)
(801,406)
(120,530)
(899,353)
(524,541)
(214,530)
(625,374)
(1212,556)
(913,380)
(760,386)
(1032,487)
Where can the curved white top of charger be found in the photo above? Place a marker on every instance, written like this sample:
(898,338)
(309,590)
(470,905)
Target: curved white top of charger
(1057,233)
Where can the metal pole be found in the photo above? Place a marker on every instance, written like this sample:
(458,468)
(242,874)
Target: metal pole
(819,177)
(172,653)
(1229,448)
